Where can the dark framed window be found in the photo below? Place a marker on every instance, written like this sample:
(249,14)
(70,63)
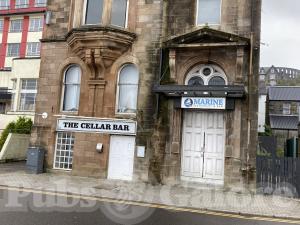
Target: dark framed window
(119,13)
(94,11)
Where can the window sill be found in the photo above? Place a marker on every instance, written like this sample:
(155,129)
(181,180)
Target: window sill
(213,26)
(125,115)
(73,113)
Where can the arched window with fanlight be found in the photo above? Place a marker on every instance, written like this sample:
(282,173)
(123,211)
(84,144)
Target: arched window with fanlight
(128,89)
(209,74)
(71,89)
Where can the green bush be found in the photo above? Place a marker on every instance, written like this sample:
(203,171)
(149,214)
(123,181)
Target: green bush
(22,126)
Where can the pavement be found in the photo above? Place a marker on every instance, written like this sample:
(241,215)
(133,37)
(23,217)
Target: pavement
(44,209)
(185,197)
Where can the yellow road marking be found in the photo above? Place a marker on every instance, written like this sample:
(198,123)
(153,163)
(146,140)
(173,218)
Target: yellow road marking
(158,206)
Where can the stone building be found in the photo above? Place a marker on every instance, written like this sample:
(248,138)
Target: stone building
(150,90)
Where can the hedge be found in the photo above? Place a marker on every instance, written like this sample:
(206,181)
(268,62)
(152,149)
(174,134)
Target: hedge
(22,126)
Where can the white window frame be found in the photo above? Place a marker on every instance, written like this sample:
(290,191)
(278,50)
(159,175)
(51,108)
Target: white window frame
(9,52)
(36,24)
(118,92)
(63,90)
(22,4)
(31,46)
(16,31)
(27,91)
(126,17)
(203,24)
(286,108)
(70,151)
(40,3)
(13,94)
(5,6)
(197,71)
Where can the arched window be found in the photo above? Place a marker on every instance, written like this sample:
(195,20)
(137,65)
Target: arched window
(71,89)
(128,89)
(206,75)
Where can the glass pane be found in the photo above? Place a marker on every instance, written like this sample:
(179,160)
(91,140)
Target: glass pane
(129,75)
(196,81)
(71,97)
(209,11)
(94,10)
(118,13)
(217,81)
(73,75)
(128,98)
(27,102)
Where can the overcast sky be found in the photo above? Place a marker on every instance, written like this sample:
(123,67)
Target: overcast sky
(281,33)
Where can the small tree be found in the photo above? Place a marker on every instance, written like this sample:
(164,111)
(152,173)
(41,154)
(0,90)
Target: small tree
(21,126)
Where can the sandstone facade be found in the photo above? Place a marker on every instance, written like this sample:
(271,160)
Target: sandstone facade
(150,42)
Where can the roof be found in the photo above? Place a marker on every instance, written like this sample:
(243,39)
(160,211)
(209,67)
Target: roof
(281,93)
(279,70)
(206,36)
(283,122)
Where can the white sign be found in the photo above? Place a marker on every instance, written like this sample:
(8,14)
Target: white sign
(141,151)
(97,126)
(203,103)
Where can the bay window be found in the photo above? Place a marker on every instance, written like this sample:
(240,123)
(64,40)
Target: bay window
(98,12)
(94,10)
(119,13)
(128,89)
(208,12)
(71,89)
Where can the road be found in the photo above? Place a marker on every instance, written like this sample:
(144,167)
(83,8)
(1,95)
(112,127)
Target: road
(19,207)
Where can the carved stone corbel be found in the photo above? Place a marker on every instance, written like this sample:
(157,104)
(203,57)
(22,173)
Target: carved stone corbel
(172,63)
(94,61)
(240,64)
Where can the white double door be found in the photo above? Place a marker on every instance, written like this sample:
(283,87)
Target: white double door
(203,147)
(121,157)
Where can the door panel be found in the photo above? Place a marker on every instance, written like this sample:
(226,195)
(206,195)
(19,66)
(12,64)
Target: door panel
(203,145)
(121,157)
(192,157)
(214,148)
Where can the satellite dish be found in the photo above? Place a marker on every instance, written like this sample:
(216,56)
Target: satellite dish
(44,115)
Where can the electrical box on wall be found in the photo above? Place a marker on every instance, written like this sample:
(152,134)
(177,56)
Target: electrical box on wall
(141,151)
(99,147)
